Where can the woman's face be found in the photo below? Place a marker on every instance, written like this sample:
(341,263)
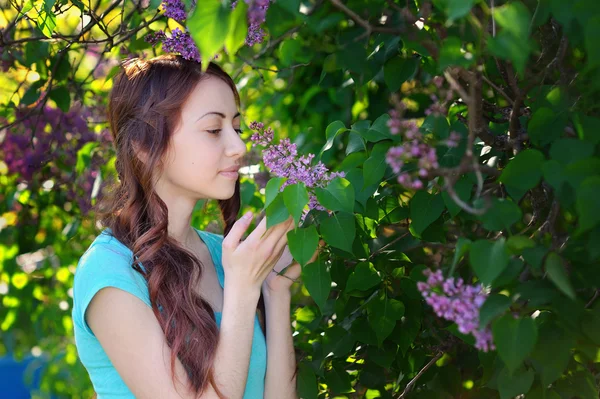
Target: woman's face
(206,148)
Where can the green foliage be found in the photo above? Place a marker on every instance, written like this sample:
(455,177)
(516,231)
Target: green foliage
(512,206)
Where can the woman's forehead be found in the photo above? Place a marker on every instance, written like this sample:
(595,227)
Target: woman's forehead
(211,95)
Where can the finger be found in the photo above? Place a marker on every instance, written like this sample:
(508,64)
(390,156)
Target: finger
(258,231)
(278,235)
(284,260)
(275,249)
(232,239)
(274,232)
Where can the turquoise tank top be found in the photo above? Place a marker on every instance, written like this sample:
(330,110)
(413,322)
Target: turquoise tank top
(107,263)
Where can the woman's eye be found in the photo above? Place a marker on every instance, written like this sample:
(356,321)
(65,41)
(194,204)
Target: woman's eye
(239,130)
(214,131)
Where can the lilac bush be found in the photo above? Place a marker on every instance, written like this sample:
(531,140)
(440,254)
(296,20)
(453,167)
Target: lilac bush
(456,301)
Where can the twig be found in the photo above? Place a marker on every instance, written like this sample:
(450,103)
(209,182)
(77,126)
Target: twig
(365,24)
(498,89)
(386,246)
(591,301)
(456,86)
(412,382)
(449,187)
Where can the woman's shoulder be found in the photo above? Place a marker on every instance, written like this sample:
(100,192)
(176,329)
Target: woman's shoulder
(105,258)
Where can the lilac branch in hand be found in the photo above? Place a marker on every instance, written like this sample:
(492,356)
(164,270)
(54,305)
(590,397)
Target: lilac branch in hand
(282,160)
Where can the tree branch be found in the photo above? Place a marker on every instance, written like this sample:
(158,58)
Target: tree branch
(412,382)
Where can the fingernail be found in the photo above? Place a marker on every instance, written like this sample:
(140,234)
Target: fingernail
(247,215)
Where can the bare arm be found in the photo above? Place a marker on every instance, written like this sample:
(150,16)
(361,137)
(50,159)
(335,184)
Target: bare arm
(135,343)
(281,358)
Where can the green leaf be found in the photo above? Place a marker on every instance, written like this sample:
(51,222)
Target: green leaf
(514,339)
(512,48)
(276,212)
(523,173)
(338,380)
(247,190)
(488,259)
(307,382)
(295,198)
(463,245)
(383,314)
(587,205)
(592,32)
(568,150)
(317,280)
(545,126)
(587,127)
(46,21)
(452,54)
(494,306)
(513,385)
(534,256)
(379,130)
(555,270)
(398,70)
(238,28)
(516,244)
(337,196)
(338,341)
(272,189)
(437,126)
(512,42)
(501,215)
(333,129)
(209,26)
(374,167)
(339,230)
(84,156)
(303,243)
(454,9)
(61,96)
(363,277)
(463,188)
(552,352)
(425,208)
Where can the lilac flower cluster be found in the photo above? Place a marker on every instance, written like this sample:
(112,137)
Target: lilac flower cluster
(52,155)
(257,11)
(415,150)
(458,302)
(174,9)
(179,42)
(282,160)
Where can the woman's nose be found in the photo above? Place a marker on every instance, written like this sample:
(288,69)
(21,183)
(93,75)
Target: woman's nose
(235,145)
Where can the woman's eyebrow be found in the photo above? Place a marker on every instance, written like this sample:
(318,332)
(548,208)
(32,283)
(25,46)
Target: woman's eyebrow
(222,115)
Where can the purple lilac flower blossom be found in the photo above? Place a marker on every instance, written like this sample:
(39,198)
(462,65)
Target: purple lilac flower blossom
(414,150)
(282,160)
(455,301)
(174,9)
(257,11)
(182,43)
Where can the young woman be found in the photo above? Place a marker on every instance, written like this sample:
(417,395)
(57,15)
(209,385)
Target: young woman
(162,309)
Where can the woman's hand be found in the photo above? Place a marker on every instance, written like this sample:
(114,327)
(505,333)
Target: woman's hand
(247,263)
(277,282)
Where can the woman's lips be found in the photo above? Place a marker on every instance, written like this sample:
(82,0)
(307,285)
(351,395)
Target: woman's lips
(229,175)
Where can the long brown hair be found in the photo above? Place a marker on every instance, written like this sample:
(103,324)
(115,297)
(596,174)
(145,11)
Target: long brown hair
(144,109)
